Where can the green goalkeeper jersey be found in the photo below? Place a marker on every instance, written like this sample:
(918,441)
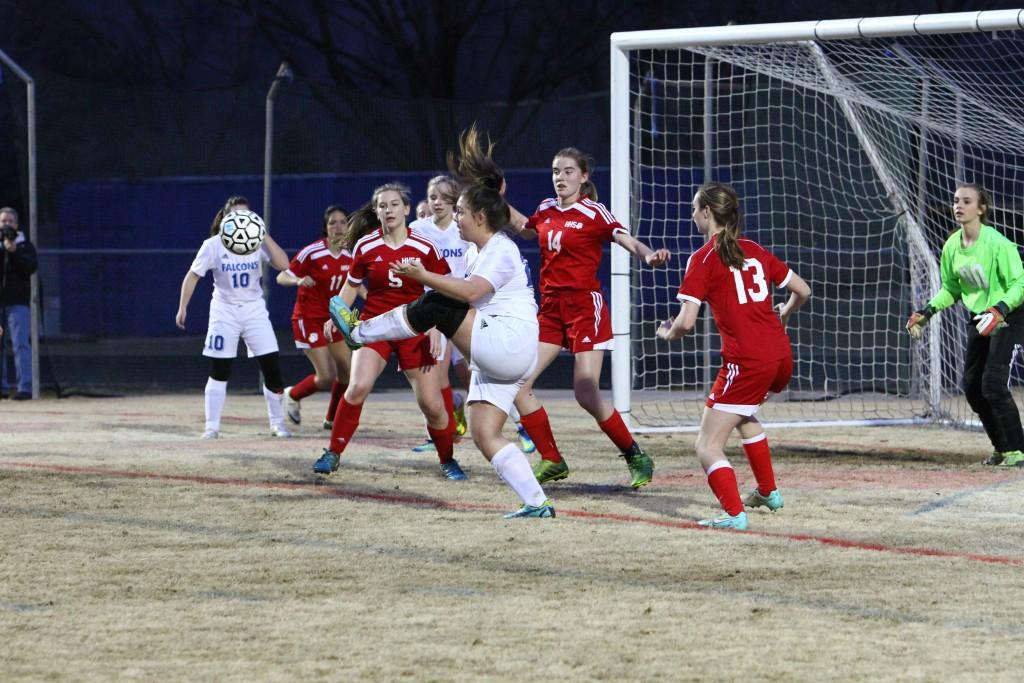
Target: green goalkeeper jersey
(982,275)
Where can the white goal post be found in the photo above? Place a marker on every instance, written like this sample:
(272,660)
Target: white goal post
(845,140)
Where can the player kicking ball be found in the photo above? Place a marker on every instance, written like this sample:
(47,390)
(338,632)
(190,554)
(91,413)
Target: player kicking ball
(490,316)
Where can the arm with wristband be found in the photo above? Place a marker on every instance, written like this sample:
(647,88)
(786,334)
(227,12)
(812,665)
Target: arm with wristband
(948,295)
(1010,274)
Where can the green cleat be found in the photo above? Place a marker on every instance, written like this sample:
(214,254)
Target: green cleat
(1012,459)
(542,510)
(995,459)
(727,521)
(773,501)
(459,413)
(547,470)
(640,466)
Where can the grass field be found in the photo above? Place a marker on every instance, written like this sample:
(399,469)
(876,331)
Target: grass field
(132,550)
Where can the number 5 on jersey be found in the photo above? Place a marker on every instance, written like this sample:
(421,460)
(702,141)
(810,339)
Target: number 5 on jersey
(394,280)
(760,290)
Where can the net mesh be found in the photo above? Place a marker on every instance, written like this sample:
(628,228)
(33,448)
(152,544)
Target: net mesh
(845,155)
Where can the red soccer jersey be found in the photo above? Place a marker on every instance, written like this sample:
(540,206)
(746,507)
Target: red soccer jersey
(572,242)
(327,270)
(740,300)
(385,290)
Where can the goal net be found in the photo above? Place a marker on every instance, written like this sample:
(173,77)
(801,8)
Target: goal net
(845,141)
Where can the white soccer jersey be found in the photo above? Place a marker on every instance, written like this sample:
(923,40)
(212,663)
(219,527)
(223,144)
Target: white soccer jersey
(236,279)
(501,264)
(448,241)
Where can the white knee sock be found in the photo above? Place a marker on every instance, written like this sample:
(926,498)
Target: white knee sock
(514,414)
(513,467)
(387,326)
(275,411)
(216,392)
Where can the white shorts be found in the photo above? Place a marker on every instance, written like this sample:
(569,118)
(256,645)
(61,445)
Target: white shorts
(503,355)
(231,322)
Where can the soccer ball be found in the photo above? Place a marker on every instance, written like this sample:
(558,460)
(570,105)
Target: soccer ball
(242,232)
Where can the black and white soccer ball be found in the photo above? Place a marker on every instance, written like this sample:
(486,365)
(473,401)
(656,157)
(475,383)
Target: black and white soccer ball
(242,232)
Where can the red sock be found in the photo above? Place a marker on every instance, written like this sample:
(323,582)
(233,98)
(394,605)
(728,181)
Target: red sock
(722,480)
(760,459)
(346,421)
(304,388)
(442,439)
(337,391)
(539,429)
(616,430)
(449,406)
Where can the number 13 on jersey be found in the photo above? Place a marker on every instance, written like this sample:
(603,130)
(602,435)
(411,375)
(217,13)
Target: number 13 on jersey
(759,291)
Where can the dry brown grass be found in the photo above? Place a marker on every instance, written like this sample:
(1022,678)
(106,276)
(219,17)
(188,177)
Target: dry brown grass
(131,550)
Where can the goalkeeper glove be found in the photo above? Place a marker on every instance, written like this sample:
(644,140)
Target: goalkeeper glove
(917,321)
(992,320)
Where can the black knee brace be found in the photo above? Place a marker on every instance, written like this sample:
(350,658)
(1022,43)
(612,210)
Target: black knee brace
(434,309)
(220,369)
(270,366)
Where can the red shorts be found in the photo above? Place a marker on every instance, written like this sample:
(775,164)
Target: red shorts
(742,387)
(309,333)
(574,319)
(413,353)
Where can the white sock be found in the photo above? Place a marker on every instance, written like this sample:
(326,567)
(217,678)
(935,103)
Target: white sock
(216,392)
(275,411)
(513,467)
(387,326)
(514,414)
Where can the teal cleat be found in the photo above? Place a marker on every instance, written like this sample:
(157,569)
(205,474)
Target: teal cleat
(425,447)
(773,501)
(727,521)
(328,463)
(451,470)
(526,444)
(345,319)
(542,510)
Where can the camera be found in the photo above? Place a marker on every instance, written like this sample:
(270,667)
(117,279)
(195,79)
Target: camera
(8,233)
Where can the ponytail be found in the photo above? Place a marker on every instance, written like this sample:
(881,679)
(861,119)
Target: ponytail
(361,222)
(724,204)
(229,205)
(476,165)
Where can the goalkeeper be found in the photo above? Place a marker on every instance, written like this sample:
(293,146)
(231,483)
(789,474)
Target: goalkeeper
(983,269)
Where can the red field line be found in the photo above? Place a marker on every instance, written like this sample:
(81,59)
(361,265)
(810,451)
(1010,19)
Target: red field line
(580,514)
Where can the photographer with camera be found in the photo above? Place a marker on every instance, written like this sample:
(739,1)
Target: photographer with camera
(18,262)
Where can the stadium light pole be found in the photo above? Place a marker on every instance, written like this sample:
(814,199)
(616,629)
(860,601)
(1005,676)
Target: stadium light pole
(30,96)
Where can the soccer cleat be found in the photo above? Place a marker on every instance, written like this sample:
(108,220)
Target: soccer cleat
(425,447)
(328,424)
(327,463)
(291,406)
(773,501)
(640,466)
(459,411)
(526,444)
(542,510)
(995,459)
(210,434)
(280,432)
(345,319)
(1013,459)
(451,470)
(726,521)
(546,470)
